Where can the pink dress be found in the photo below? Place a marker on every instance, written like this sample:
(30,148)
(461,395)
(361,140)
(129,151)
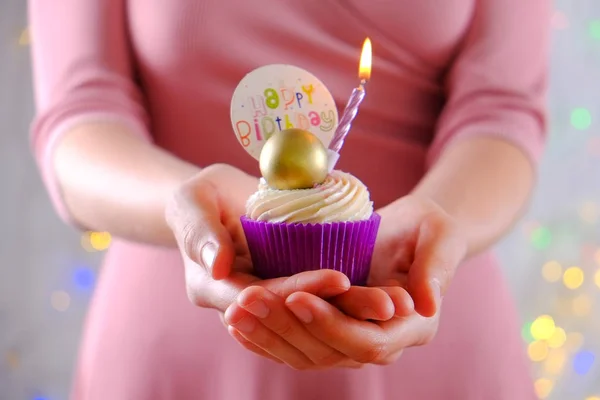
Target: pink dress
(442,71)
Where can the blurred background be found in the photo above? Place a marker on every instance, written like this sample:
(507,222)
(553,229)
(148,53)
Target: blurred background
(552,258)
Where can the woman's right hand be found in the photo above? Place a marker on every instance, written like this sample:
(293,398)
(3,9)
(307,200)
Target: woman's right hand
(204,214)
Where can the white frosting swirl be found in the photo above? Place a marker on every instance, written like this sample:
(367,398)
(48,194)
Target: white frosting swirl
(342,197)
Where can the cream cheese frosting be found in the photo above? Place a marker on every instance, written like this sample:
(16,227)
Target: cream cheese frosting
(342,197)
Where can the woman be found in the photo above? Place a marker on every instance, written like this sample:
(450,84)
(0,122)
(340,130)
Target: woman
(133,137)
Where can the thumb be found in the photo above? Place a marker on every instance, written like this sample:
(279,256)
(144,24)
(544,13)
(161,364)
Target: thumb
(438,252)
(200,234)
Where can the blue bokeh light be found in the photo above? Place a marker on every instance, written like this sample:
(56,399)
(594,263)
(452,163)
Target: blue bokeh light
(84,278)
(40,398)
(584,360)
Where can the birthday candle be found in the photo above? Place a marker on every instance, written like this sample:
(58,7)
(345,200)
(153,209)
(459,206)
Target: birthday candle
(351,110)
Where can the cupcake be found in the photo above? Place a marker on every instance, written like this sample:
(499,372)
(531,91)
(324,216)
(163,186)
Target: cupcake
(330,224)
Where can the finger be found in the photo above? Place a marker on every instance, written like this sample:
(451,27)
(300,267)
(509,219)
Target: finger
(250,346)
(403,303)
(324,283)
(365,303)
(271,312)
(222,293)
(398,279)
(259,335)
(362,341)
(437,254)
(194,217)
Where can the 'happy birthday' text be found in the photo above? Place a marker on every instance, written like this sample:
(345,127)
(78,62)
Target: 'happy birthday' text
(285,100)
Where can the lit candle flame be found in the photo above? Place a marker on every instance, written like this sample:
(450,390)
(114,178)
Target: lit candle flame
(364,69)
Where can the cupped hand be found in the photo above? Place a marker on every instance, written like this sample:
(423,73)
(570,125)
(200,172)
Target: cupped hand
(417,252)
(204,216)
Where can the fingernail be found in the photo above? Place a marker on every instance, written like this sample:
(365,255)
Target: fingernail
(301,312)
(208,254)
(245,325)
(258,308)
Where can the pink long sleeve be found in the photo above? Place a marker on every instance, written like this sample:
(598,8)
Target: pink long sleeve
(497,84)
(82,71)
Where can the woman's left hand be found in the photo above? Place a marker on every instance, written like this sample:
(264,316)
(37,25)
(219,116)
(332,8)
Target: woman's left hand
(418,249)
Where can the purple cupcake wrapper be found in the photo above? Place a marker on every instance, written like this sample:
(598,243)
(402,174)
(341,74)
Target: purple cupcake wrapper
(281,249)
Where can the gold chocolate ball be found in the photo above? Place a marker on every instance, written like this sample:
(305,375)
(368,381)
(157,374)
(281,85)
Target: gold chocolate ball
(293,159)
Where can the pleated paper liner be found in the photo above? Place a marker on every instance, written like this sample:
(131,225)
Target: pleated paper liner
(281,249)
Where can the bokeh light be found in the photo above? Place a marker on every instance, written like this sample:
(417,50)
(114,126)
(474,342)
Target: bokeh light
(573,277)
(589,212)
(84,278)
(583,362)
(593,398)
(60,300)
(581,118)
(582,305)
(597,278)
(24,38)
(555,362)
(96,241)
(597,256)
(541,238)
(543,387)
(537,351)
(552,271)
(100,240)
(543,327)
(595,29)
(574,341)
(526,333)
(12,359)
(558,338)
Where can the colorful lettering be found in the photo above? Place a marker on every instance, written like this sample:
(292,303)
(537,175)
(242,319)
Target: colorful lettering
(299,96)
(258,105)
(308,90)
(243,130)
(328,120)
(271,98)
(278,122)
(268,126)
(288,124)
(315,120)
(258,137)
(302,122)
(288,96)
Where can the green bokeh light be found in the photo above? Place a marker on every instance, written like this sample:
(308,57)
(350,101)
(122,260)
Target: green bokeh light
(541,238)
(526,333)
(581,118)
(595,29)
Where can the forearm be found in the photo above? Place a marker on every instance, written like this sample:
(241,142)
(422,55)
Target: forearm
(112,180)
(484,183)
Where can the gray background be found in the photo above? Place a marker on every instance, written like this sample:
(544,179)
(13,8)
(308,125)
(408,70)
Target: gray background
(39,256)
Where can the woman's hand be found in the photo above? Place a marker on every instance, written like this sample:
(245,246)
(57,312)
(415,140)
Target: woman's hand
(204,216)
(418,249)
(419,246)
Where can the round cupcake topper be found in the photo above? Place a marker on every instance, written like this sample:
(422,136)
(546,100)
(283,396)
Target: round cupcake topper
(278,97)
